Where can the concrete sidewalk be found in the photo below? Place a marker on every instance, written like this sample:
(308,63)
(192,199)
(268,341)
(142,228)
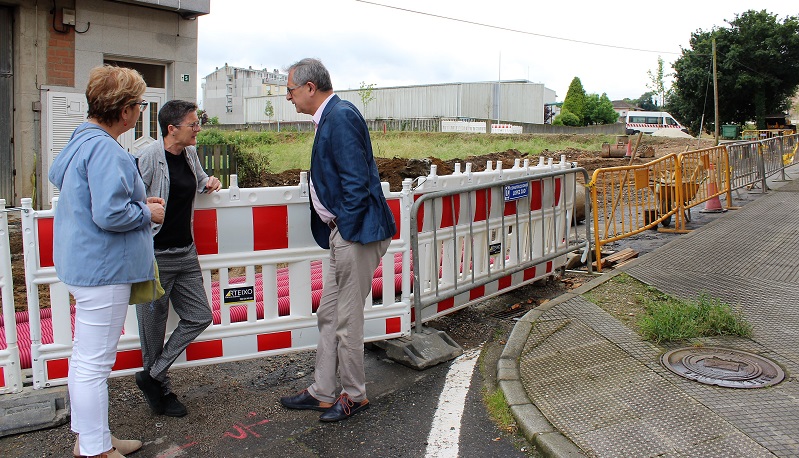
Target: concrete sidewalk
(581,383)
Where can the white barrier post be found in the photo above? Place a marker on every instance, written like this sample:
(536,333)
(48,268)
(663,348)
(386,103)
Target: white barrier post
(10,371)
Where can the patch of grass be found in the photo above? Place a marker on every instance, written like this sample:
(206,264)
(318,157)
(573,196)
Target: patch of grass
(658,317)
(292,150)
(670,319)
(499,410)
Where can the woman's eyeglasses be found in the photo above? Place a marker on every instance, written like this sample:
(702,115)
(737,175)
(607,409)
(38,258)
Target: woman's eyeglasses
(194,125)
(143,104)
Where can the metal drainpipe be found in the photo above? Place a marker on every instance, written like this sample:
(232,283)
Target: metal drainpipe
(36,177)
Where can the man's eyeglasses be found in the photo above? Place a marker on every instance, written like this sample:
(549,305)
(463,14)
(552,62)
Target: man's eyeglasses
(194,125)
(291,89)
(143,104)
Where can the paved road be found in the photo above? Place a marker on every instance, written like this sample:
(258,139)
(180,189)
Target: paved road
(234,410)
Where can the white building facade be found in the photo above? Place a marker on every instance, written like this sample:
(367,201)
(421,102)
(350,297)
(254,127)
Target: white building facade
(225,90)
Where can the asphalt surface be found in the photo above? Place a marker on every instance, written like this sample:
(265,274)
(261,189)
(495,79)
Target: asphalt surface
(234,409)
(581,383)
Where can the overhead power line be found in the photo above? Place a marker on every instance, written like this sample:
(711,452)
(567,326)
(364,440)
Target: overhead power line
(496,27)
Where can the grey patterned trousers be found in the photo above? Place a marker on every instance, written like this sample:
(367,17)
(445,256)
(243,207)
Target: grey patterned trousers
(181,278)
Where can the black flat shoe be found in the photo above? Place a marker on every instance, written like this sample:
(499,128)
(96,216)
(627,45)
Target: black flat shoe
(151,388)
(304,401)
(343,408)
(172,406)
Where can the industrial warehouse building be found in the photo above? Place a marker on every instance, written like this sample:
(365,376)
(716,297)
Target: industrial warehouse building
(506,101)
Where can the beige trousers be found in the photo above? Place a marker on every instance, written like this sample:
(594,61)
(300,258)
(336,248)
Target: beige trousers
(340,318)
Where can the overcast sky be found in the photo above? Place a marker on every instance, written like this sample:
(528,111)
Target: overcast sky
(542,42)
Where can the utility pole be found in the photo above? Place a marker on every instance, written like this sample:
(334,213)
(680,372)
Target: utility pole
(499,86)
(715,96)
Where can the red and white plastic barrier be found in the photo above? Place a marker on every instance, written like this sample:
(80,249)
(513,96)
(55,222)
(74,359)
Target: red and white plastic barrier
(241,229)
(491,239)
(505,129)
(263,271)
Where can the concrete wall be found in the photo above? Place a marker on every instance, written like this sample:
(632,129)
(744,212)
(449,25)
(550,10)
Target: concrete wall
(425,125)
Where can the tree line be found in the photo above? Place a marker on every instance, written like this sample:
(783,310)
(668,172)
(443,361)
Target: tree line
(757,60)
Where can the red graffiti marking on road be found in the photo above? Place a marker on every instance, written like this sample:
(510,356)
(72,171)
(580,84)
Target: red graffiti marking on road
(243,431)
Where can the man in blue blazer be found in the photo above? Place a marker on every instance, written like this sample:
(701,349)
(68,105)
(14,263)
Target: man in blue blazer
(350,217)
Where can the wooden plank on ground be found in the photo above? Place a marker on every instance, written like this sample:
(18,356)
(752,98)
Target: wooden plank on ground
(617,257)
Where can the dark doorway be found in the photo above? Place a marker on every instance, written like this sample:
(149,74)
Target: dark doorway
(154,75)
(6,107)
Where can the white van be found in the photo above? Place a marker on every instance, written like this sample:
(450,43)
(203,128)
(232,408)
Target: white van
(650,121)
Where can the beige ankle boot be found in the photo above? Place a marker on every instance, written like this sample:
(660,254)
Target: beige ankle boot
(113,453)
(124,447)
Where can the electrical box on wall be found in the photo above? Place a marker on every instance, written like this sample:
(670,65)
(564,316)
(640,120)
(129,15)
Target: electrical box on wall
(68,16)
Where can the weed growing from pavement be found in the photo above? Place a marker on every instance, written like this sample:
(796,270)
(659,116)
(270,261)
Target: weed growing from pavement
(658,317)
(499,410)
(670,319)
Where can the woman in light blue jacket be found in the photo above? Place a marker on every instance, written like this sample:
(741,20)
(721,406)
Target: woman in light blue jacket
(102,246)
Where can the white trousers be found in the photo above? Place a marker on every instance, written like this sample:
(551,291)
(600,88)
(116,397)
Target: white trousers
(99,317)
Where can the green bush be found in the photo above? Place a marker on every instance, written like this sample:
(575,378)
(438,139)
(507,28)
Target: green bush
(251,163)
(566,118)
(238,139)
(251,167)
(211,137)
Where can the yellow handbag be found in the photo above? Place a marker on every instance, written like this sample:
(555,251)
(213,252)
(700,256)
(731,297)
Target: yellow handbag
(146,292)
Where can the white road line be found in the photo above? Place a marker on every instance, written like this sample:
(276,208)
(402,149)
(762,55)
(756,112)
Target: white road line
(445,433)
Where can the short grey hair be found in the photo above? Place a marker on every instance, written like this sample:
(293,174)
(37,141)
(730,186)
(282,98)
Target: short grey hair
(310,70)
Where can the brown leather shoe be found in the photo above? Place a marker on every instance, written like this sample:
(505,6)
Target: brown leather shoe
(343,408)
(124,447)
(304,401)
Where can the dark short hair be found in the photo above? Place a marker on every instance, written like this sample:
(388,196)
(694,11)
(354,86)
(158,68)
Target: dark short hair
(110,90)
(313,71)
(173,113)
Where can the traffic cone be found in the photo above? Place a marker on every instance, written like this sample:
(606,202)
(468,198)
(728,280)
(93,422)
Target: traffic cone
(714,204)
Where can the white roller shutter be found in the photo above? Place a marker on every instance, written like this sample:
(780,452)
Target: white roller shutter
(64,113)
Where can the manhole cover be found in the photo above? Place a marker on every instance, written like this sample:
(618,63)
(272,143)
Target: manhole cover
(723,367)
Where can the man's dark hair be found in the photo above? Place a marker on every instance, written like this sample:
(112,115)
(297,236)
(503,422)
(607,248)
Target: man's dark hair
(173,112)
(311,70)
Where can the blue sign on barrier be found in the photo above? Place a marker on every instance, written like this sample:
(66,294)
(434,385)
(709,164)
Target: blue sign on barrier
(517,191)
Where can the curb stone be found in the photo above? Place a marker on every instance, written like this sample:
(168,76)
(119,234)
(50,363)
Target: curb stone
(535,427)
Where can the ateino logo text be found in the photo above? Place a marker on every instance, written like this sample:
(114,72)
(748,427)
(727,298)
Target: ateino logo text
(239,294)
